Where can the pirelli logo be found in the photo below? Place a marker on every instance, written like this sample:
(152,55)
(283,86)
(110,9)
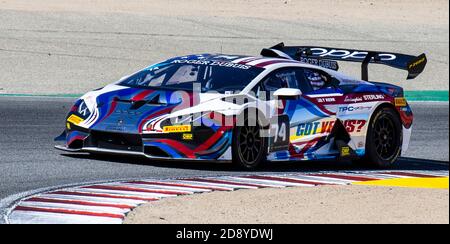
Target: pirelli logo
(177,129)
(400,102)
(412,65)
(75,119)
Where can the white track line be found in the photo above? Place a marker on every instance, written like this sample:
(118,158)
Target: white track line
(279,180)
(382,176)
(93,199)
(127,193)
(108,210)
(264,183)
(315,179)
(146,187)
(102,195)
(345,176)
(220,181)
(214,187)
(25,217)
(222,187)
(56,199)
(156,186)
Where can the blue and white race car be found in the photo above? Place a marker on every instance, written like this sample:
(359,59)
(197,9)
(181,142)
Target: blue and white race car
(290,103)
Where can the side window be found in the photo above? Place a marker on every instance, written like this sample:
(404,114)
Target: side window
(317,79)
(277,80)
(303,84)
(306,79)
(283,78)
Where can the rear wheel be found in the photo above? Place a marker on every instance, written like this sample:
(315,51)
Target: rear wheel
(384,138)
(249,147)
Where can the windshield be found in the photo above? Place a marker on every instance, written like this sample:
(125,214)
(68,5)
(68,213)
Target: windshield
(212,76)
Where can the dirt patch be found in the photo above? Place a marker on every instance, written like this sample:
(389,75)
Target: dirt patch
(327,204)
(414,11)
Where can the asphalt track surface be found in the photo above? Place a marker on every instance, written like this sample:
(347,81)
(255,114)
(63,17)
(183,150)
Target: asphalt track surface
(28,160)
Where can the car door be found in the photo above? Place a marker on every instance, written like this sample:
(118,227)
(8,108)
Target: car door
(313,115)
(310,121)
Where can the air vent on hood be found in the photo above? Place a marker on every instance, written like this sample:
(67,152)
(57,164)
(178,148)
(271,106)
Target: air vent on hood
(139,103)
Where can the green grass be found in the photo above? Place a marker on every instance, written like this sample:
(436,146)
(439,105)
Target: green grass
(436,96)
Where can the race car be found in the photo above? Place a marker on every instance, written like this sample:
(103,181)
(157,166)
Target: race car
(289,104)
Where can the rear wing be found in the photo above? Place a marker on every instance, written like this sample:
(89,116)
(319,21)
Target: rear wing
(327,57)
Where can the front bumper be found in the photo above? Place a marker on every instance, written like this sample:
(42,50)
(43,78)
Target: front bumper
(119,152)
(198,145)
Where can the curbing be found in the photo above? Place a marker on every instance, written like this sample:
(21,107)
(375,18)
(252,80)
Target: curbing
(111,201)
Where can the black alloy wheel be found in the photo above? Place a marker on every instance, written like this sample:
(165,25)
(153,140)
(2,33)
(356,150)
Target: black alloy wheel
(384,138)
(249,147)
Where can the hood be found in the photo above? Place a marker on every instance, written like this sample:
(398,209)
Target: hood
(123,109)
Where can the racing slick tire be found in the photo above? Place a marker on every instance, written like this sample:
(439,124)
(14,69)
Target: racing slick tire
(249,148)
(384,139)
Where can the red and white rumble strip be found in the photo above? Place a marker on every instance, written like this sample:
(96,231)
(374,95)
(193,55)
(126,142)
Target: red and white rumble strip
(108,203)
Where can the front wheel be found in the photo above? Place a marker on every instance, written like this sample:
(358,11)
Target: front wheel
(384,138)
(249,147)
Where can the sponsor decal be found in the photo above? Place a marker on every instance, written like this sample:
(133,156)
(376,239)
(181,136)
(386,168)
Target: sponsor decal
(326,100)
(177,128)
(416,63)
(129,112)
(313,128)
(325,127)
(373,97)
(188,136)
(83,110)
(348,54)
(354,125)
(400,102)
(370,97)
(345,151)
(328,64)
(353,99)
(75,119)
(212,63)
(354,108)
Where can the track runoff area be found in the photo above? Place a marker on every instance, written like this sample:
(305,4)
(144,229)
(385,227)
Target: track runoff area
(110,202)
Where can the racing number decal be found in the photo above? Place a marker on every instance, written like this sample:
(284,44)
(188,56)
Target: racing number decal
(354,125)
(281,128)
(281,133)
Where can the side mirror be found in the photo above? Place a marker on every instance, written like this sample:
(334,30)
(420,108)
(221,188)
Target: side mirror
(287,93)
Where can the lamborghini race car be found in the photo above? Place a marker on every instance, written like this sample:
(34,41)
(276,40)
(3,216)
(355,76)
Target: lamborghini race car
(289,104)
